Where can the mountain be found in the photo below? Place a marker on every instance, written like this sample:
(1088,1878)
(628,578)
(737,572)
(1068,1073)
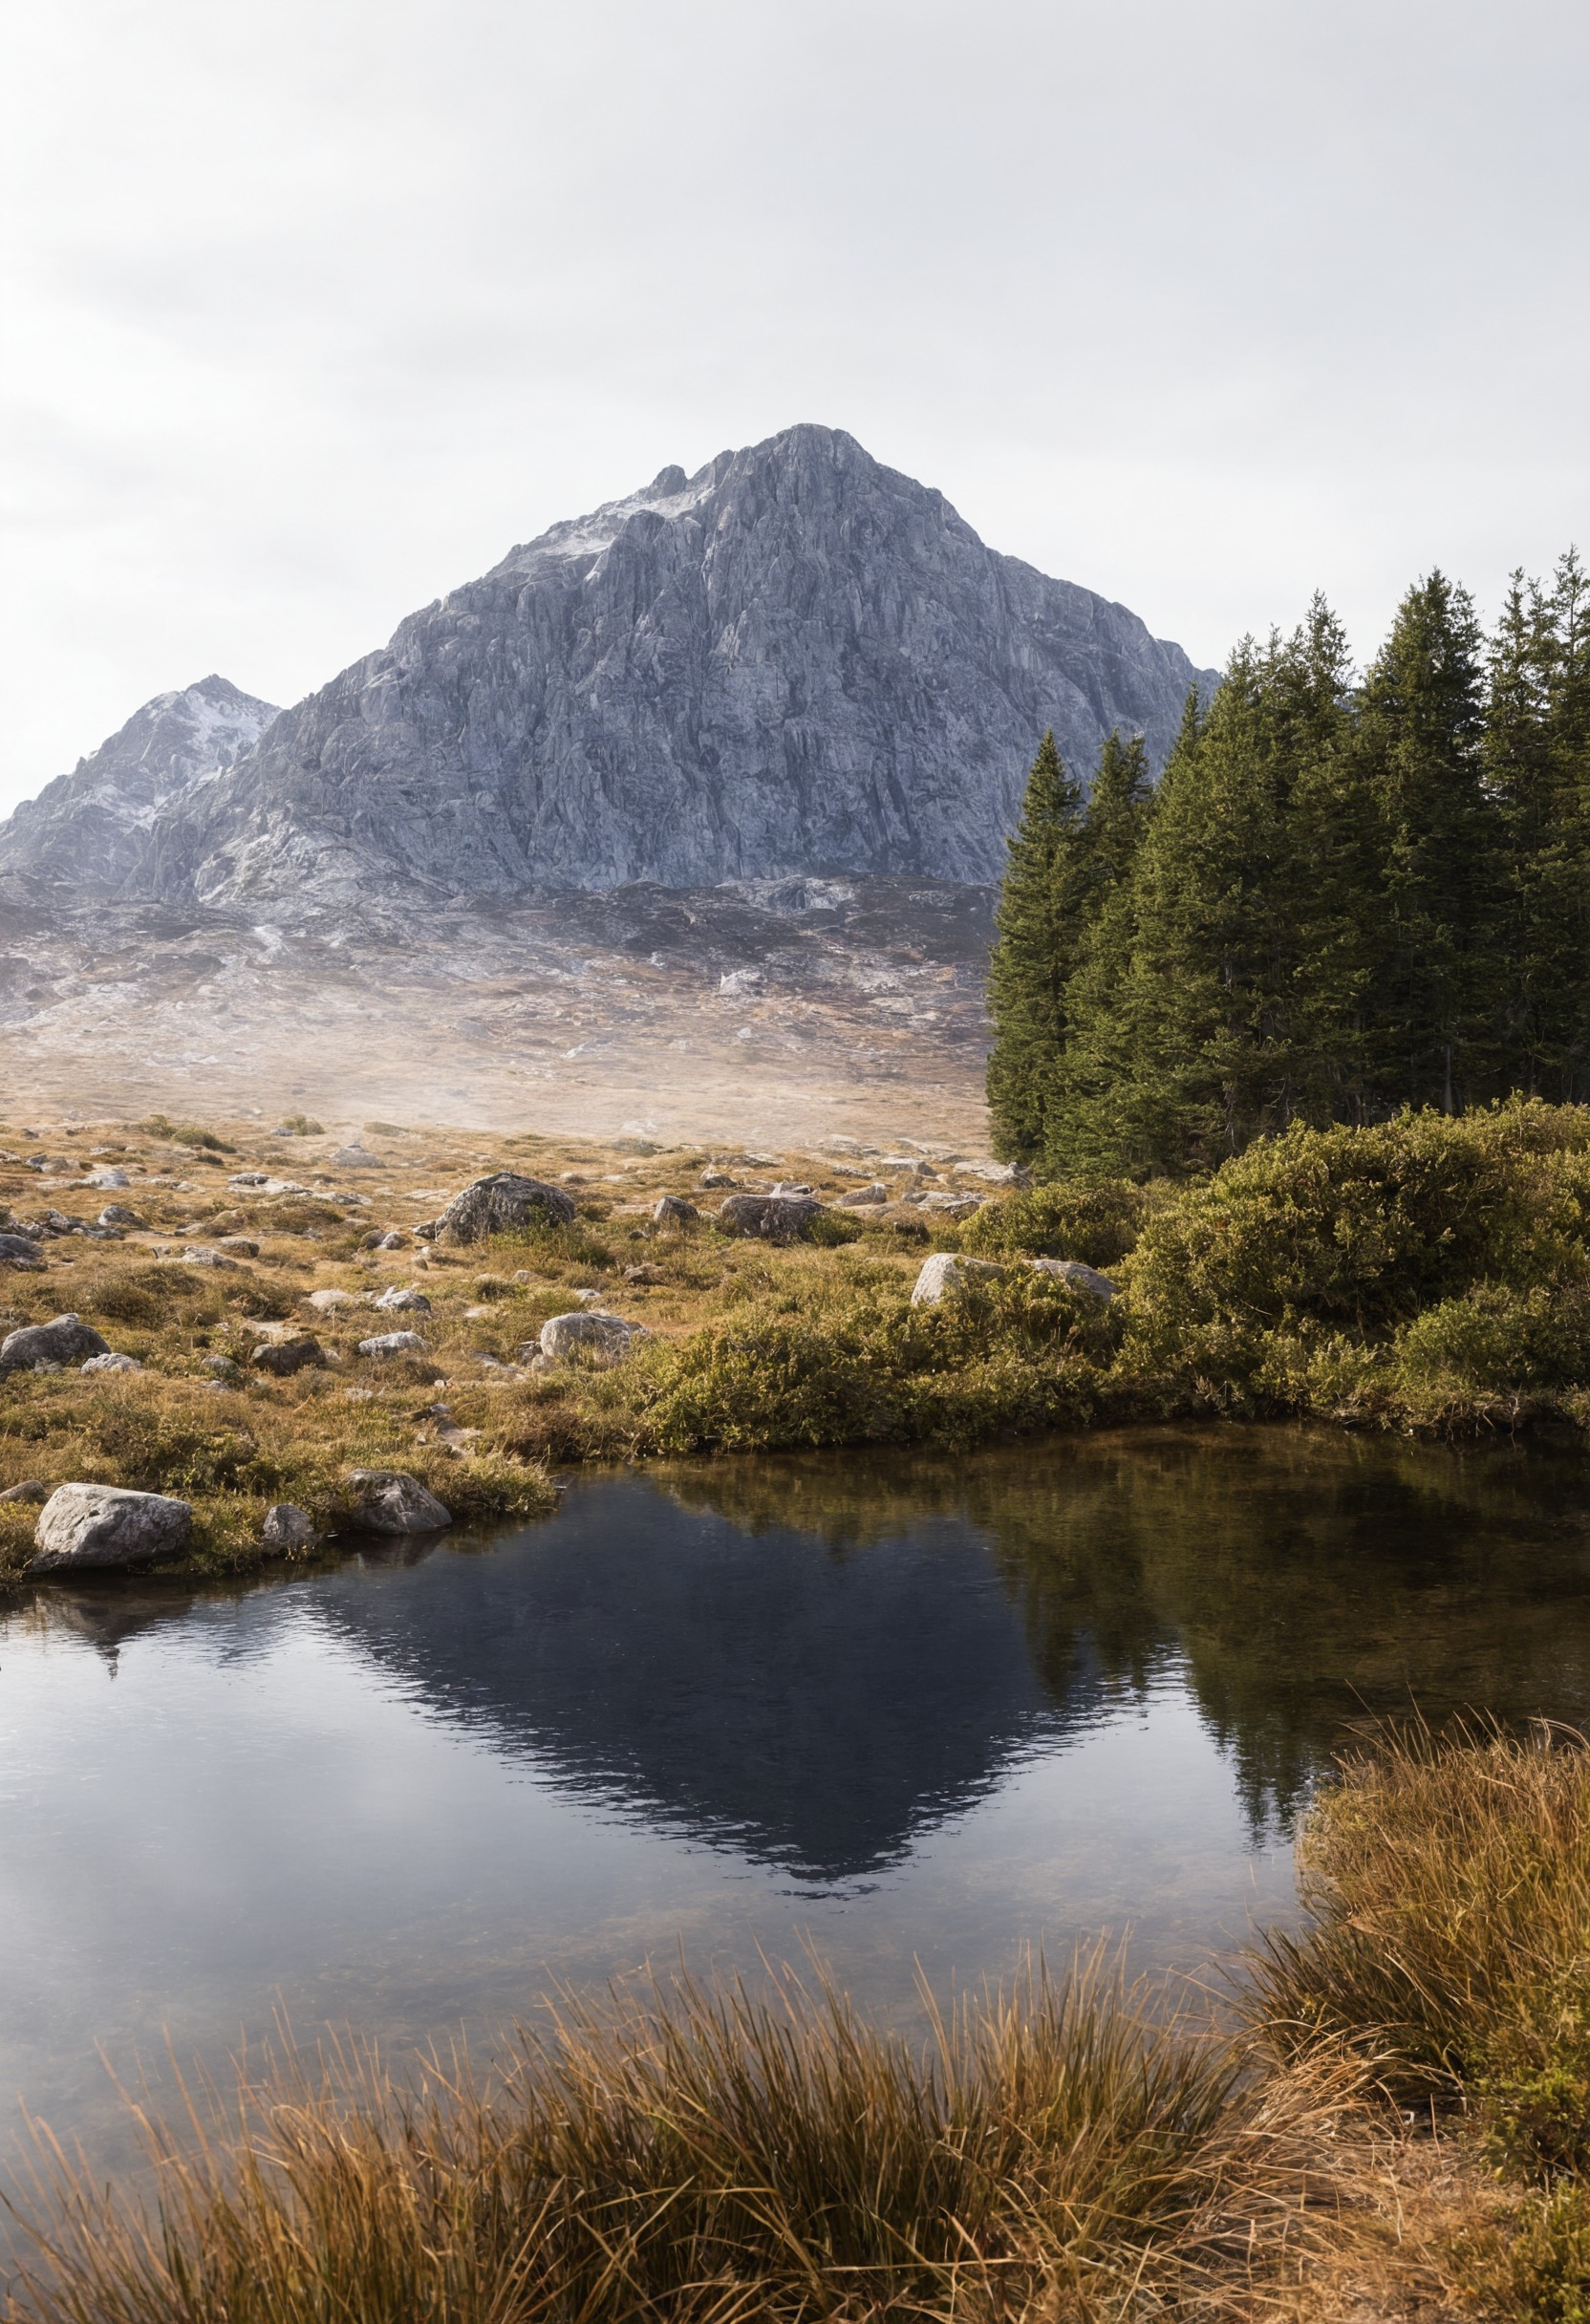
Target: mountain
(94,824)
(795,661)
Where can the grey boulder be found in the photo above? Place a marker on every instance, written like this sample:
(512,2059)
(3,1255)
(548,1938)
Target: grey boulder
(18,1250)
(392,1343)
(406,1300)
(1077,1274)
(282,1358)
(947,1275)
(498,1204)
(773,1218)
(95,1525)
(111,1364)
(673,1210)
(591,1336)
(64,1340)
(385,1500)
(286,1529)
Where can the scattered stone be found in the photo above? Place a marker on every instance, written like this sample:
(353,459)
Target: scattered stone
(715,1178)
(64,1340)
(327,1302)
(945,1272)
(1079,1277)
(204,1255)
(784,1188)
(109,1179)
(282,1358)
(111,1364)
(118,1215)
(385,1500)
(407,1300)
(645,1273)
(286,1529)
(673,1210)
(249,1177)
(239,1246)
(774,1217)
(355,1158)
(864,1197)
(30,1489)
(223,1367)
(95,1525)
(996,1173)
(20,1251)
(589,1335)
(392,1343)
(950,1206)
(497,1204)
(391,1241)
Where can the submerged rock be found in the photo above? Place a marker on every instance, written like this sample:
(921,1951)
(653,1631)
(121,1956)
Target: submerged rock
(387,1500)
(96,1525)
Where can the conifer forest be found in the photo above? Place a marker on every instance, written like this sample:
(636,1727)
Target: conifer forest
(1345,895)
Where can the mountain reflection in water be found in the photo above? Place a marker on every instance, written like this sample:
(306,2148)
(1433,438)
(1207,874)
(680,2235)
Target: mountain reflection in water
(812,1662)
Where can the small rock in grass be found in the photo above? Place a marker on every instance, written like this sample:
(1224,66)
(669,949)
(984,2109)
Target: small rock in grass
(392,1343)
(644,1274)
(19,1251)
(286,1529)
(118,1215)
(391,1241)
(591,1335)
(326,1303)
(715,1178)
(947,1272)
(282,1358)
(497,1204)
(864,1197)
(64,1340)
(111,1364)
(223,1367)
(239,1246)
(386,1501)
(203,1255)
(774,1218)
(673,1210)
(30,1489)
(95,1525)
(404,1299)
(1080,1278)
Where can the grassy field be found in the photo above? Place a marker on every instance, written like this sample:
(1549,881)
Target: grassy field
(1385,2120)
(1430,1274)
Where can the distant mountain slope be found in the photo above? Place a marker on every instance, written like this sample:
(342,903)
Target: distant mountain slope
(795,661)
(92,827)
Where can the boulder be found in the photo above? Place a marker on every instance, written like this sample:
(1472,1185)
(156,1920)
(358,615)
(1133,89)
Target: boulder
(63,1340)
(387,1501)
(588,1336)
(498,1204)
(111,1364)
(282,1358)
(93,1525)
(864,1197)
(286,1529)
(19,1251)
(327,1302)
(715,1178)
(947,1273)
(1077,1274)
(393,1240)
(392,1343)
(110,1179)
(355,1158)
(118,1215)
(404,1300)
(203,1254)
(30,1489)
(774,1217)
(239,1246)
(673,1210)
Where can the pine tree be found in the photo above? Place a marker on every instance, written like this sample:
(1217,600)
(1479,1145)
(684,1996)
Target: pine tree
(1034,955)
(1437,1005)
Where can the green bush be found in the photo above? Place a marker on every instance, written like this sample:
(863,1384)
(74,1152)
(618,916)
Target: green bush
(1096,1220)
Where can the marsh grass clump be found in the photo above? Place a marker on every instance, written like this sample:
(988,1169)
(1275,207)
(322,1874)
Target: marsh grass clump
(711,2153)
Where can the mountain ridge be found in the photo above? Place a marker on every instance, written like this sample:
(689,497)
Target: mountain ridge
(796,661)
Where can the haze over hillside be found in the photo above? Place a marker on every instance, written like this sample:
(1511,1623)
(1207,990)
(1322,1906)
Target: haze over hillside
(795,661)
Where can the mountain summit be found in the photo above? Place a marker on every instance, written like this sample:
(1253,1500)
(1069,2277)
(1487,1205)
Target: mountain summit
(795,660)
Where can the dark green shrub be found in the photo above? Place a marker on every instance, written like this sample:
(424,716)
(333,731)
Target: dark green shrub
(1096,1220)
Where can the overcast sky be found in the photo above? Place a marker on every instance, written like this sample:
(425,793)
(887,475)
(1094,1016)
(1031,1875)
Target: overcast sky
(312,308)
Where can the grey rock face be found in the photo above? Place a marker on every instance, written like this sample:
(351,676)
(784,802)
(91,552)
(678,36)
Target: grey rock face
(497,1204)
(403,1299)
(95,1525)
(795,661)
(19,1251)
(63,1340)
(673,1210)
(946,1275)
(386,1501)
(1077,1276)
(95,828)
(392,1343)
(111,1364)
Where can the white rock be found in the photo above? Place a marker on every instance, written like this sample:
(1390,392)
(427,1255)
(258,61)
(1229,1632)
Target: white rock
(591,1336)
(946,1272)
(404,1298)
(392,1343)
(95,1525)
(112,1364)
(1079,1277)
(327,1302)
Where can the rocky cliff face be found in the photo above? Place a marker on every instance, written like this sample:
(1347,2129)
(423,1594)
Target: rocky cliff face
(92,827)
(795,661)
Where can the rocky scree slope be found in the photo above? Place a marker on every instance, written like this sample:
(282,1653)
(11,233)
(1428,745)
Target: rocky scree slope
(95,828)
(795,661)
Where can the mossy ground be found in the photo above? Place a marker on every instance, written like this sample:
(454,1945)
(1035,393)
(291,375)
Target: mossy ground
(1428,1274)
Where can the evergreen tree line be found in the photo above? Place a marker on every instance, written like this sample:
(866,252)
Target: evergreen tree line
(1340,899)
